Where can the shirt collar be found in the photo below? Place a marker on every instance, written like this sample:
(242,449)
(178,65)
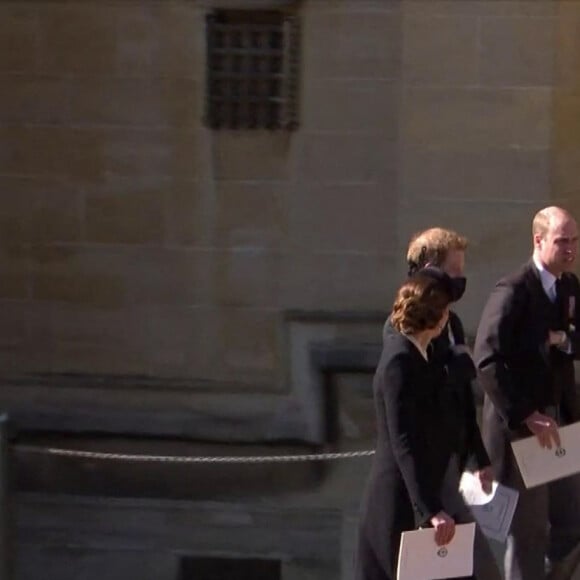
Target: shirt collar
(547,278)
(414,341)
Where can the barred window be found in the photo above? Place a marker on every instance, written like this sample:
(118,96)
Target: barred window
(252,70)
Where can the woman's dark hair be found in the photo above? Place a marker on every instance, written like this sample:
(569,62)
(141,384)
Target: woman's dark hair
(420,304)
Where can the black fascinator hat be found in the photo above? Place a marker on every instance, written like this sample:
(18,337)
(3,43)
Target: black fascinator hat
(453,287)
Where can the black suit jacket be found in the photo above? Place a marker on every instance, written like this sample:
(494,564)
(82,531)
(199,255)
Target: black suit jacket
(518,370)
(412,454)
(459,370)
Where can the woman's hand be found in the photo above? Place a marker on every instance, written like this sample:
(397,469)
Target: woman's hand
(485,476)
(444,526)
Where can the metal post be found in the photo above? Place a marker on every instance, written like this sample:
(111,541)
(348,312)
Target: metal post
(331,427)
(6,545)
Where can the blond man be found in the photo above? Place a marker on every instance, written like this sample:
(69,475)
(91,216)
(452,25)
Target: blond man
(438,247)
(525,348)
(441,249)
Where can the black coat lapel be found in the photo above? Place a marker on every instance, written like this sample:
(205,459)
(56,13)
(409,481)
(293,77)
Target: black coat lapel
(456,328)
(534,285)
(544,306)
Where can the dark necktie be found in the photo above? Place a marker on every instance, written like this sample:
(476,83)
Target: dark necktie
(560,302)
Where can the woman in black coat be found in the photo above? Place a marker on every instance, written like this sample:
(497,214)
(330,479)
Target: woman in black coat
(415,472)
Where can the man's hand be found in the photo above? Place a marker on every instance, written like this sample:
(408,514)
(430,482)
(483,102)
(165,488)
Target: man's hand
(485,476)
(557,337)
(444,526)
(544,428)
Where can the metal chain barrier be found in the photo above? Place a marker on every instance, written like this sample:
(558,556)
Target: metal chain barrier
(100,455)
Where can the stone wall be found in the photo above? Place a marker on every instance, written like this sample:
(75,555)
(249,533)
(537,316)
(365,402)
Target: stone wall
(150,259)
(135,241)
(565,151)
(128,538)
(477,128)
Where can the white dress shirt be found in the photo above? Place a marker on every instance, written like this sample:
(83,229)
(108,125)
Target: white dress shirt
(547,278)
(549,285)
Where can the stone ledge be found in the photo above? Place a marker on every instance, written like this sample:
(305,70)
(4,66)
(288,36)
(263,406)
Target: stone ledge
(335,316)
(146,407)
(57,532)
(193,527)
(346,356)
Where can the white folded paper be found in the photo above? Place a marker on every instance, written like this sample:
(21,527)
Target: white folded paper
(539,465)
(420,558)
(493,512)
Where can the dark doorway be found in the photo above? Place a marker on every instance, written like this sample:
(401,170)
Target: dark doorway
(194,568)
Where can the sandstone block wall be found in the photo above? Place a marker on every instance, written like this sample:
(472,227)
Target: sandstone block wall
(133,240)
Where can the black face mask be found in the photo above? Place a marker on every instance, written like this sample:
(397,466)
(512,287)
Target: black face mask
(458,285)
(455,287)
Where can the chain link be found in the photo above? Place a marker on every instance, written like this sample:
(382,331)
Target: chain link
(100,455)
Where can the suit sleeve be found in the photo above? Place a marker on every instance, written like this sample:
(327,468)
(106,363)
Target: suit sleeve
(475,448)
(574,319)
(494,346)
(459,364)
(404,425)
(570,399)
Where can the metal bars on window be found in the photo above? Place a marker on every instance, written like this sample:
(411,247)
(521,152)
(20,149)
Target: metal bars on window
(252,70)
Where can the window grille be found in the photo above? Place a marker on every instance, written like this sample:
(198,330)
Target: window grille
(252,69)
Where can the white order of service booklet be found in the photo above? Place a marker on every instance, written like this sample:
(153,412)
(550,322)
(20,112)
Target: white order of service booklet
(539,465)
(493,512)
(420,558)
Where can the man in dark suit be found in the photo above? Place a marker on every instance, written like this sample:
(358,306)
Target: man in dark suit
(525,346)
(445,249)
